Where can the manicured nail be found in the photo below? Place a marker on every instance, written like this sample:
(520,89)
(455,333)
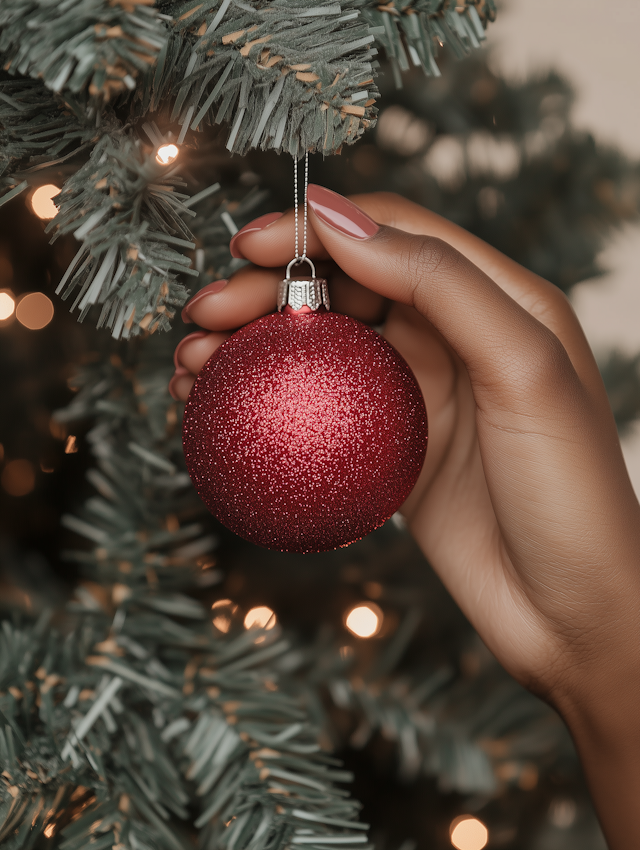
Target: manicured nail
(257,224)
(190,338)
(209,289)
(179,373)
(340,213)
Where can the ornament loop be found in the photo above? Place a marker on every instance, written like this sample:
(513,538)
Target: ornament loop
(296,261)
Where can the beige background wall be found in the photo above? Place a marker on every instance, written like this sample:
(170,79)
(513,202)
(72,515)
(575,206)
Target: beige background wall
(596,45)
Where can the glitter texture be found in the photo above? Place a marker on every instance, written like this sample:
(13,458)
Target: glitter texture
(304,431)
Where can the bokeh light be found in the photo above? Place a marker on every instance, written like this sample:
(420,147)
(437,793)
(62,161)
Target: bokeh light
(34,311)
(71,446)
(7,305)
(41,202)
(260,617)
(562,812)
(18,478)
(364,620)
(223,611)
(166,154)
(468,833)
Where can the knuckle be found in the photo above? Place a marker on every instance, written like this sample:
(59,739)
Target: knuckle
(552,306)
(542,363)
(426,256)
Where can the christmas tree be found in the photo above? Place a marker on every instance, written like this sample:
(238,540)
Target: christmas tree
(196,689)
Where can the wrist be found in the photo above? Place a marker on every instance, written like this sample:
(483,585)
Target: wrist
(603,716)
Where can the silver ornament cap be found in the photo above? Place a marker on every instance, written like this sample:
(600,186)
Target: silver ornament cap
(303,292)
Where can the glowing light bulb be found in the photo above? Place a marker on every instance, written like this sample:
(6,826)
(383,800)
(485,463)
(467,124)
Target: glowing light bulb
(223,611)
(260,617)
(18,478)
(364,620)
(468,833)
(34,311)
(7,305)
(166,154)
(41,202)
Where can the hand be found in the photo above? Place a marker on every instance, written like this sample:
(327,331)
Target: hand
(524,506)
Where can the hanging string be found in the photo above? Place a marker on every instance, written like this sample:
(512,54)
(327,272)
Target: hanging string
(300,258)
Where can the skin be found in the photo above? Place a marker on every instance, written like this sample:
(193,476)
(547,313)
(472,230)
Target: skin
(524,506)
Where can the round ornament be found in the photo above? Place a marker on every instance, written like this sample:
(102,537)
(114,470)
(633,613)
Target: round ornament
(305,430)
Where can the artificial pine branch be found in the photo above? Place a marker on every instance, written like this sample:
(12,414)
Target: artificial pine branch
(289,75)
(411,31)
(97,47)
(36,127)
(124,208)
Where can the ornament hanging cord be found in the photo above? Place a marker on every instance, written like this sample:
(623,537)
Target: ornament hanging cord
(301,258)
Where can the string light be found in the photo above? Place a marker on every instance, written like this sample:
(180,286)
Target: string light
(7,306)
(18,478)
(468,833)
(364,620)
(41,202)
(166,154)
(34,311)
(223,611)
(260,617)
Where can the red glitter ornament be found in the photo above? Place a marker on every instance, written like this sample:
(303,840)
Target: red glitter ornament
(305,430)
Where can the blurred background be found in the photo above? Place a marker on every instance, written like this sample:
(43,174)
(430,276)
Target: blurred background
(602,62)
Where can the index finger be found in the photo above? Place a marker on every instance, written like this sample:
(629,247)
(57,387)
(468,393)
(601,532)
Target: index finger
(273,246)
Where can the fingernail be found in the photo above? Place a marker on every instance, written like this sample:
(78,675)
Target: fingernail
(258,224)
(190,338)
(340,213)
(179,373)
(209,289)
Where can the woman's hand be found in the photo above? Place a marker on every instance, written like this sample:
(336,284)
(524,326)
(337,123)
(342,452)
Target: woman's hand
(524,506)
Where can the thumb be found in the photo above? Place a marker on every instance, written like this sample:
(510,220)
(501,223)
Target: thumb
(513,360)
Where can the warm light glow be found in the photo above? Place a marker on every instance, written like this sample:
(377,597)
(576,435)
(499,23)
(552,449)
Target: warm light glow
(468,833)
(364,620)
(58,429)
(223,611)
(562,813)
(71,446)
(7,305)
(41,202)
(260,618)
(49,830)
(34,311)
(166,154)
(373,589)
(18,478)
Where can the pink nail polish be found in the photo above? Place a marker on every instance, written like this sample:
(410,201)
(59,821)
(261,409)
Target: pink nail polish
(340,213)
(190,338)
(258,224)
(209,289)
